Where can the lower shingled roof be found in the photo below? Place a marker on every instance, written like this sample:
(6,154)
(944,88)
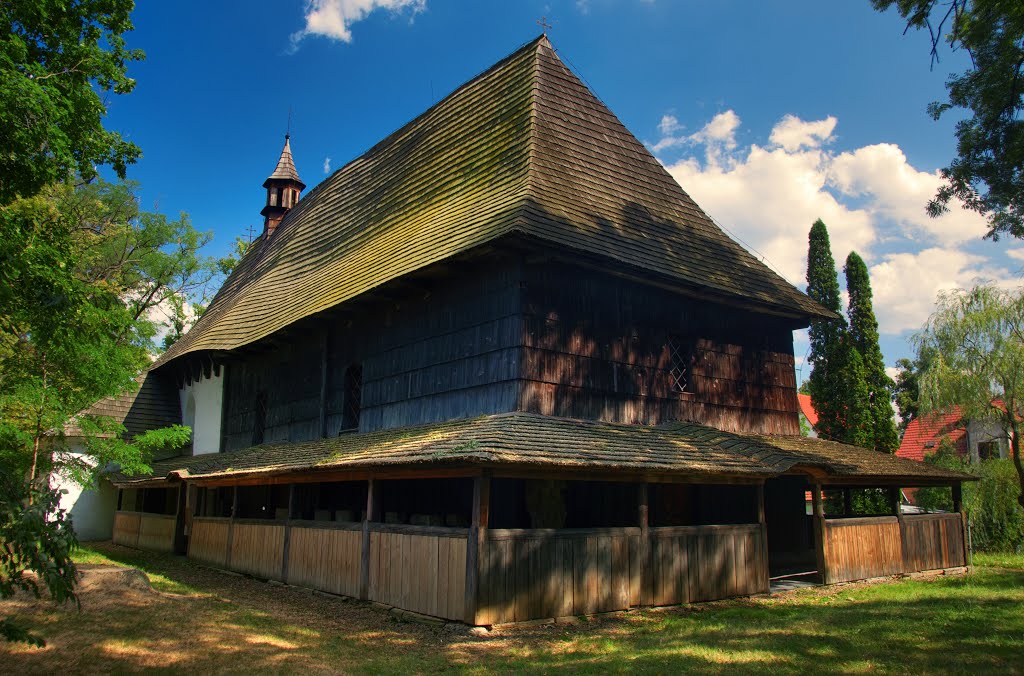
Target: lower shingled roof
(531,440)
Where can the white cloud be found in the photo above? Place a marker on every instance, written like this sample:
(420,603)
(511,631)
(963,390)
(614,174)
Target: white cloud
(897,192)
(871,198)
(327,164)
(334,18)
(905,285)
(583,6)
(791,133)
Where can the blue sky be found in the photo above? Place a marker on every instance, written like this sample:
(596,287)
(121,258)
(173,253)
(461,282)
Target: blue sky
(770,114)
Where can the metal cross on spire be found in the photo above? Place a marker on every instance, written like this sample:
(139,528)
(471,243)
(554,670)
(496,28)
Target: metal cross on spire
(544,25)
(250,232)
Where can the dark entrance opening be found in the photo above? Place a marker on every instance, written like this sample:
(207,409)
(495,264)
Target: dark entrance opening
(790,525)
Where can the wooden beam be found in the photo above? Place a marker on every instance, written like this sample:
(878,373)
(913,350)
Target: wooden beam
(763,521)
(372,507)
(231,527)
(324,375)
(819,531)
(475,544)
(958,507)
(288,532)
(646,570)
(897,508)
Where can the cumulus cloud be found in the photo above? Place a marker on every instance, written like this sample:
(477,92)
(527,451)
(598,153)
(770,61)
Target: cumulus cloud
(1016,254)
(334,18)
(871,198)
(791,133)
(327,164)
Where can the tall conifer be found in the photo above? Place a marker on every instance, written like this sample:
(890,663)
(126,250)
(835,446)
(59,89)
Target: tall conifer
(864,335)
(837,384)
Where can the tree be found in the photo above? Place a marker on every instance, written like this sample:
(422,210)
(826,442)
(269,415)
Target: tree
(58,62)
(907,393)
(837,383)
(864,335)
(987,176)
(976,341)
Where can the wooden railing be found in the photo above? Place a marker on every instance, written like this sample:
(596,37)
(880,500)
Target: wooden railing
(208,540)
(704,563)
(933,541)
(325,557)
(421,569)
(144,531)
(861,548)
(531,574)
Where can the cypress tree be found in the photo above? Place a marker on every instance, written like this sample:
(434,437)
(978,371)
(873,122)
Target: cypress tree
(864,337)
(837,382)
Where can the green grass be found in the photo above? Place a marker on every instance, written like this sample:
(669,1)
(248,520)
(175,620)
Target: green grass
(205,620)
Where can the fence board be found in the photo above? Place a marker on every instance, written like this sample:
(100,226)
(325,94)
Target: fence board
(419,572)
(126,528)
(860,548)
(156,532)
(326,559)
(934,541)
(258,549)
(207,542)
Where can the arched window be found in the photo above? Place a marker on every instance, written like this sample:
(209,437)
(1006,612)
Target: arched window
(353,398)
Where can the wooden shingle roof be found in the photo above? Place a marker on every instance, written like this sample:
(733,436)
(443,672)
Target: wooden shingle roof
(152,406)
(551,443)
(285,169)
(524,148)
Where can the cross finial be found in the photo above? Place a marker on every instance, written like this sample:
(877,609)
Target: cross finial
(250,231)
(544,25)
(288,129)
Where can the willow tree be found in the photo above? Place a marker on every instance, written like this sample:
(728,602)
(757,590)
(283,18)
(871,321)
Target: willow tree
(864,336)
(975,340)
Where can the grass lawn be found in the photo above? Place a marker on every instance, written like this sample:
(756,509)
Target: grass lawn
(200,619)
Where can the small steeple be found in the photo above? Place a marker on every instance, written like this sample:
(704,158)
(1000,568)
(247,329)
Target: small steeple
(283,189)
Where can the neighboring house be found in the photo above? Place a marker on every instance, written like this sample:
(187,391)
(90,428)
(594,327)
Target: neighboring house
(808,413)
(501,367)
(151,406)
(974,439)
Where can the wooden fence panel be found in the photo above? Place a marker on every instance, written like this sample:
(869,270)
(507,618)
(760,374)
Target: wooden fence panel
(257,549)
(934,541)
(126,528)
(419,569)
(156,532)
(705,563)
(208,541)
(861,548)
(325,558)
(532,574)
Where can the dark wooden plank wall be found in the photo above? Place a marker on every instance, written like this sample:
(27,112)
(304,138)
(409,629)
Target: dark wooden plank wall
(862,548)
(596,348)
(449,349)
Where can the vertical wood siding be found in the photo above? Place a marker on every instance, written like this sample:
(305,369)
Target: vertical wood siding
(258,549)
(596,347)
(422,573)
(325,558)
(861,548)
(933,541)
(156,532)
(208,541)
(126,528)
(705,563)
(533,574)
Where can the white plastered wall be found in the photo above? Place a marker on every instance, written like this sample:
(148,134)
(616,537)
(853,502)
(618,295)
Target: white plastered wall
(201,403)
(92,508)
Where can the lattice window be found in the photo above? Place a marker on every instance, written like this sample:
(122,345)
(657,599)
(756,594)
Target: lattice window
(681,358)
(353,398)
(259,425)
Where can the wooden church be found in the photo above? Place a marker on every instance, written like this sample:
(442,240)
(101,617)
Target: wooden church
(500,368)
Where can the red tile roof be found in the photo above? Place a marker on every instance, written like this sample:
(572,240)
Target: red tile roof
(923,435)
(807,408)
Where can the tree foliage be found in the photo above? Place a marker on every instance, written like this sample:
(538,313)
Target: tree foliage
(987,176)
(837,384)
(907,391)
(864,336)
(975,340)
(58,63)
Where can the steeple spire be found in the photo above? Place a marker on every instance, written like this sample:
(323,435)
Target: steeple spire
(283,189)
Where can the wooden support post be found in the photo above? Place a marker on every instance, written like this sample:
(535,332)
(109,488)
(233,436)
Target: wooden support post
(897,508)
(847,503)
(372,507)
(231,525)
(958,507)
(646,569)
(288,532)
(181,521)
(324,375)
(120,498)
(819,532)
(762,519)
(476,543)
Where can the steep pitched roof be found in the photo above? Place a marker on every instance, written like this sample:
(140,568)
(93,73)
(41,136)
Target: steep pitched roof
(285,169)
(152,406)
(807,408)
(522,148)
(924,434)
(529,439)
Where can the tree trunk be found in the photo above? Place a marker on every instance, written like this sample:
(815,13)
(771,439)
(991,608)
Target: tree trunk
(1015,453)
